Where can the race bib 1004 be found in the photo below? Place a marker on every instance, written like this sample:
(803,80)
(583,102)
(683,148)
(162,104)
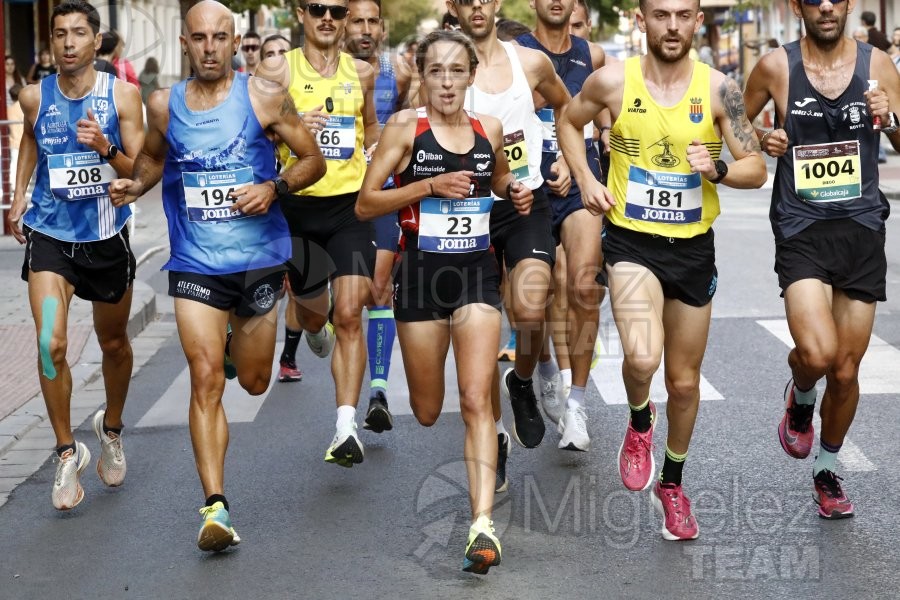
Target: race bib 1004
(206,194)
(659,197)
(455,225)
(828,172)
(79,176)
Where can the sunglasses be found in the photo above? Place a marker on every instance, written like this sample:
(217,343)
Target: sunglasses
(318,11)
(818,2)
(472,2)
(250,48)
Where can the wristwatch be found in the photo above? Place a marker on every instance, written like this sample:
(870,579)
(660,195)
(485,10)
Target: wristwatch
(281,186)
(111,152)
(721,170)
(893,124)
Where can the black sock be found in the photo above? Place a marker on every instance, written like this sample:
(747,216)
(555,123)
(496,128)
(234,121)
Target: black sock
(641,419)
(518,381)
(217,498)
(60,450)
(291,340)
(671,471)
(115,430)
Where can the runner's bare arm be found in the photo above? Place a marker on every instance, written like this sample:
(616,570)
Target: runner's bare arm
(370,121)
(767,81)
(29,99)
(148,166)
(131,127)
(748,169)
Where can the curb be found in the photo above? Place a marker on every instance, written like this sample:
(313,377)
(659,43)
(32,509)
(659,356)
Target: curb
(31,414)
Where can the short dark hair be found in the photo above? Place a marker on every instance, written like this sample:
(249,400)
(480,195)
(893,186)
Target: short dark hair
(108,42)
(445,35)
(272,38)
(377,3)
(642,4)
(868,18)
(449,19)
(77,6)
(508,29)
(250,34)
(14,92)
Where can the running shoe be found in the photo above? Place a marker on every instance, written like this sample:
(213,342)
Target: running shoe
(508,352)
(528,425)
(636,464)
(216,533)
(322,343)
(573,428)
(550,400)
(111,465)
(230,369)
(345,449)
(483,548)
(829,495)
(678,521)
(288,372)
(378,417)
(502,455)
(67,491)
(795,432)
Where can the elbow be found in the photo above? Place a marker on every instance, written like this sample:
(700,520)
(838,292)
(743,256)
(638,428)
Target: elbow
(363,208)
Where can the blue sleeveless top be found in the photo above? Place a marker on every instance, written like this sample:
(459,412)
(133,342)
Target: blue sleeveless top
(71,193)
(210,153)
(386,92)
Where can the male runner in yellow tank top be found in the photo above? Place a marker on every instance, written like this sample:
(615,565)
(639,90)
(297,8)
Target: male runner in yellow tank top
(334,93)
(671,115)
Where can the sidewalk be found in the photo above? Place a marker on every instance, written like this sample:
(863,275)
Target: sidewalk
(21,404)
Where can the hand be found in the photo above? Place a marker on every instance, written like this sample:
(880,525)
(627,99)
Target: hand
(877,103)
(596,198)
(700,160)
(774,143)
(315,120)
(14,217)
(452,185)
(604,140)
(254,199)
(521,197)
(563,181)
(124,191)
(89,134)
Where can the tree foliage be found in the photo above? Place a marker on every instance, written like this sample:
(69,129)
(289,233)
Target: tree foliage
(402,17)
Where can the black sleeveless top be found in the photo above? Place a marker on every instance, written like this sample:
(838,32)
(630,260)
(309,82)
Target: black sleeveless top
(832,183)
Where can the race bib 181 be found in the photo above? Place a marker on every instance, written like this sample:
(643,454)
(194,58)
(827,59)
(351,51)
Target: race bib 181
(659,197)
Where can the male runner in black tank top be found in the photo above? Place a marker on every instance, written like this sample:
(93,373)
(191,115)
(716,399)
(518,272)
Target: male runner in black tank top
(828,218)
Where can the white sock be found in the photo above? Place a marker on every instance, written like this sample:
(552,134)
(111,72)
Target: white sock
(500,427)
(566,376)
(548,369)
(576,397)
(346,417)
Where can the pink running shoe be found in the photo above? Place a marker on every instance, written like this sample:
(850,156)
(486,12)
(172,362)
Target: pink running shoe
(636,464)
(795,432)
(833,503)
(674,506)
(288,371)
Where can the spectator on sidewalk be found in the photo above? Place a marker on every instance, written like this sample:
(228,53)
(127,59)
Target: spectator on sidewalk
(13,78)
(876,38)
(250,49)
(14,113)
(124,67)
(42,68)
(149,78)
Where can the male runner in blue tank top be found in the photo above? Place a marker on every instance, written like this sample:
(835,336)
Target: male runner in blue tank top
(83,128)
(576,229)
(828,217)
(365,31)
(210,140)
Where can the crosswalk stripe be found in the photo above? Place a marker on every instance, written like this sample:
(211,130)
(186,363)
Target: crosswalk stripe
(172,406)
(875,377)
(398,391)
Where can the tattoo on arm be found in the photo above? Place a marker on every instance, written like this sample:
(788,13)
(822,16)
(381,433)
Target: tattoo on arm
(733,101)
(287,104)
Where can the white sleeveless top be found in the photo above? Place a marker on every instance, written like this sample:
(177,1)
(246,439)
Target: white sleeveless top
(522,133)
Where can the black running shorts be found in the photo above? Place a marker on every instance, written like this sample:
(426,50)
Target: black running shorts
(841,253)
(516,237)
(685,267)
(249,294)
(100,271)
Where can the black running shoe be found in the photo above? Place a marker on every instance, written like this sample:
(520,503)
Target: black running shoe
(378,417)
(502,455)
(528,425)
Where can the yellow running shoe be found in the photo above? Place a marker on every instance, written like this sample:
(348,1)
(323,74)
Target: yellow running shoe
(216,533)
(483,549)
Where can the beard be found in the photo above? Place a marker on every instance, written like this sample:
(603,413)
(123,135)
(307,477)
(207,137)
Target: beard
(825,37)
(657,48)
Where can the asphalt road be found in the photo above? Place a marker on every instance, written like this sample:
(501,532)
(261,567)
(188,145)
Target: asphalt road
(395,526)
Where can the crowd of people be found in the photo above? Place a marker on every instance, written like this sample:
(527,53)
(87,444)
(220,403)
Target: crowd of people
(431,194)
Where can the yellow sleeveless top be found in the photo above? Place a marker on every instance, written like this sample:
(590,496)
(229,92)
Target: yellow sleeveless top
(649,175)
(341,141)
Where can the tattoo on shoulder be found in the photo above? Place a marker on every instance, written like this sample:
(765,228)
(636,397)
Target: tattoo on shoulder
(287,105)
(733,101)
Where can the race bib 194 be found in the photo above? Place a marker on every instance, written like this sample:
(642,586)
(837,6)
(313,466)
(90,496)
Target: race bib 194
(455,225)
(79,176)
(206,194)
(828,172)
(659,197)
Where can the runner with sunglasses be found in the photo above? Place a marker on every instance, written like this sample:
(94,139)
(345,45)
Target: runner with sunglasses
(828,217)
(250,50)
(446,162)
(334,93)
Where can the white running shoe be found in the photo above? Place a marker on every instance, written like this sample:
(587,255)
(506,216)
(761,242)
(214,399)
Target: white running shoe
(67,491)
(550,397)
(573,427)
(345,450)
(111,465)
(321,343)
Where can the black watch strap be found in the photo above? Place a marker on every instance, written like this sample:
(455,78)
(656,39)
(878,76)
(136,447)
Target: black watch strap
(111,152)
(721,170)
(281,186)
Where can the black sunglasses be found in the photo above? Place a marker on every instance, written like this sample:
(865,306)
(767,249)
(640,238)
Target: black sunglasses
(338,13)
(249,48)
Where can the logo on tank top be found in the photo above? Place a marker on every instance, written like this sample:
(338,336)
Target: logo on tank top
(854,112)
(637,107)
(665,158)
(696,113)
(100,107)
(52,111)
